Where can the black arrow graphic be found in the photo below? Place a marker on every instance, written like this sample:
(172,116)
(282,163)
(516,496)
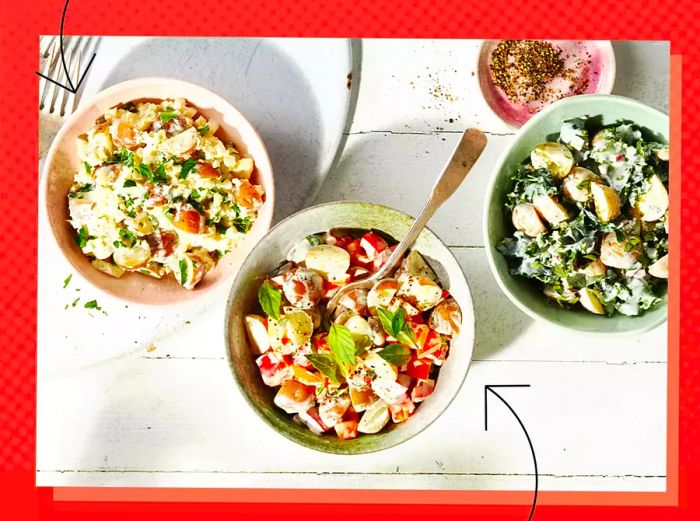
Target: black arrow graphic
(488,388)
(71,86)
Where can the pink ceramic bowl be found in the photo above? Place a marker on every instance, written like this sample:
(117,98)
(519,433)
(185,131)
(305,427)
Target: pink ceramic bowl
(62,162)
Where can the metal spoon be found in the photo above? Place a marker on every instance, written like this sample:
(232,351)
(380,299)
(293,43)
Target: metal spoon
(463,158)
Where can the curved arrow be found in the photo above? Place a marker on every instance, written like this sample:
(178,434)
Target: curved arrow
(72,87)
(488,388)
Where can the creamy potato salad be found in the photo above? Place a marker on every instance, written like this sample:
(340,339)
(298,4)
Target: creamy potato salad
(159,193)
(591,218)
(376,359)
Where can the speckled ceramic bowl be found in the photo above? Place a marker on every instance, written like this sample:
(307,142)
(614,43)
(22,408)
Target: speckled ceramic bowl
(524,293)
(62,161)
(267,256)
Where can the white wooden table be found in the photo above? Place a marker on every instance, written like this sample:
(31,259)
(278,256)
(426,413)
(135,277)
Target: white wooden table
(144,397)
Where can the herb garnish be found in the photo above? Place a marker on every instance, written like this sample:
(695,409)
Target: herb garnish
(82,238)
(396,326)
(270,299)
(168,115)
(187,166)
(67,280)
(242,224)
(124,157)
(183,271)
(203,131)
(327,366)
(396,354)
(129,182)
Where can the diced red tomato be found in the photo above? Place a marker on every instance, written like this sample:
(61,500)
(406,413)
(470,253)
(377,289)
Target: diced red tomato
(320,342)
(402,410)
(313,420)
(357,254)
(189,221)
(421,332)
(340,242)
(419,368)
(206,171)
(346,430)
(381,259)
(358,272)
(435,348)
(422,390)
(415,319)
(373,245)
(274,368)
(351,415)
(445,294)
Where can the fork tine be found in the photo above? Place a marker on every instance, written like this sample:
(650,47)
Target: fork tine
(74,71)
(47,70)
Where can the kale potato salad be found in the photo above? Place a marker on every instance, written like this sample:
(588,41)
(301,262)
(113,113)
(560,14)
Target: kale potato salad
(159,193)
(590,213)
(375,359)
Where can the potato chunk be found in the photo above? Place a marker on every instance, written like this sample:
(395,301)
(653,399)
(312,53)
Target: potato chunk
(590,301)
(527,220)
(554,157)
(577,184)
(615,254)
(660,268)
(607,202)
(549,208)
(654,202)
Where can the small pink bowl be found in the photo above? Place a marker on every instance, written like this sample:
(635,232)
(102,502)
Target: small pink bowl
(600,73)
(62,162)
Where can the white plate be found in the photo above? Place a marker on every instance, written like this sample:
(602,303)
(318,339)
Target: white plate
(294,91)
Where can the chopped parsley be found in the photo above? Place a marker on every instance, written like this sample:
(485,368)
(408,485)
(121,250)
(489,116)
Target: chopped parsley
(129,183)
(168,114)
(204,130)
(242,224)
(124,157)
(186,167)
(67,280)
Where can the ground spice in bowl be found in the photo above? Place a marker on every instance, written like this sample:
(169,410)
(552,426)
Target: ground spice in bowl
(526,69)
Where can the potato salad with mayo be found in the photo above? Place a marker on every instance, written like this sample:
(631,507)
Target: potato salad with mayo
(590,213)
(375,359)
(158,193)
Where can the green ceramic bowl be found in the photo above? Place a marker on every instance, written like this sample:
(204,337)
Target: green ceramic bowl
(524,293)
(272,250)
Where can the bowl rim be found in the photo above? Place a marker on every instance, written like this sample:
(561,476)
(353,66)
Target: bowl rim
(606,86)
(489,201)
(328,449)
(85,106)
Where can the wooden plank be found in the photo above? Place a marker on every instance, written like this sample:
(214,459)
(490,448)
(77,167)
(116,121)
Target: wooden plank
(178,417)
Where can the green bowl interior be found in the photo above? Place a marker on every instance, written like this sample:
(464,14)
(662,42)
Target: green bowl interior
(268,255)
(526,294)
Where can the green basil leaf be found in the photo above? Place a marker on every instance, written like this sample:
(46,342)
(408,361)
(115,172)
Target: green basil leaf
(326,365)
(398,322)
(386,318)
(396,354)
(342,345)
(270,299)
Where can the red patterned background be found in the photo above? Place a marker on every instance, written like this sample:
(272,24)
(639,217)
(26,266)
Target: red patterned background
(23,21)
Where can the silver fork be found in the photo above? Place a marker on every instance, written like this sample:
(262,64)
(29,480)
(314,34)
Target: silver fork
(56,103)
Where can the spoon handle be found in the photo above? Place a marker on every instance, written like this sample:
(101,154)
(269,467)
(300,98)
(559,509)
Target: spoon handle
(463,158)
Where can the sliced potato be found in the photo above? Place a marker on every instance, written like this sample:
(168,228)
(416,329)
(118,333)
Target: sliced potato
(527,220)
(256,327)
(607,202)
(663,153)
(332,409)
(326,259)
(303,288)
(361,398)
(382,369)
(294,397)
(182,144)
(555,157)
(595,269)
(446,318)
(375,418)
(549,208)
(408,308)
(577,184)
(415,264)
(660,268)
(290,332)
(602,138)
(590,301)
(615,254)
(381,295)
(355,300)
(359,327)
(420,292)
(132,258)
(654,202)
(108,268)
(378,334)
